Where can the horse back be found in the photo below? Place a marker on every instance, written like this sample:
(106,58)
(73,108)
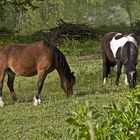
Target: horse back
(27,59)
(106,50)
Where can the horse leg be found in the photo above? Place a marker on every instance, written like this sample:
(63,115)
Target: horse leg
(106,70)
(135,78)
(10,84)
(119,67)
(2,75)
(126,80)
(41,78)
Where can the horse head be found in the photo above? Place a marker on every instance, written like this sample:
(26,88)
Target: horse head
(68,83)
(131,74)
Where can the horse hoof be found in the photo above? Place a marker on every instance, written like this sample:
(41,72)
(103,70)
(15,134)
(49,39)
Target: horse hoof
(104,81)
(14,98)
(36,101)
(39,101)
(117,83)
(1,103)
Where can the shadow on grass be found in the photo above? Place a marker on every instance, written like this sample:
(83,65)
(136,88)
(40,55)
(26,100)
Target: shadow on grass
(81,93)
(138,75)
(104,89)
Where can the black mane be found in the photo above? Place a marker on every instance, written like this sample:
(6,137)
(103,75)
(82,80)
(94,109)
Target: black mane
(130,53)
(62,64)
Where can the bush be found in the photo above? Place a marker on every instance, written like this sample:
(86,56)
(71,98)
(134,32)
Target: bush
(102,30)
(121,121)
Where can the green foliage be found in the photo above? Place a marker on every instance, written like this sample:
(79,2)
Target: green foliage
(20,16)
(118,121)
(18,4)
(122,121)
(81,124)
(80,48)
(7,40)
(123,28)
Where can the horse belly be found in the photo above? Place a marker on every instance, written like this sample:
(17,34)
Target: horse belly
(24,69)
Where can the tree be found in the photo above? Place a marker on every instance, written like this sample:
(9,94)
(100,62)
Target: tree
(18,4)
(20,15)
(128,10)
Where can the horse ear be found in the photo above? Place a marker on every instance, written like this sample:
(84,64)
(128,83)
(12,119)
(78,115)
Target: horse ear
(132,34)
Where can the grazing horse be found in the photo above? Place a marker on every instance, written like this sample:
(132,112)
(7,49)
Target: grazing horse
(120,49)
(39,59)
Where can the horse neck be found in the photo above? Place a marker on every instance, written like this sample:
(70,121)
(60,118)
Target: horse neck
(130,52)
(62,66)
(63,78)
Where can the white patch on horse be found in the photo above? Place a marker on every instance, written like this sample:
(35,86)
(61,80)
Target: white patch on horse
(104,81)
(132,39)
(115,44)
(131,74)
(1,102)
(36,101)
(126,80)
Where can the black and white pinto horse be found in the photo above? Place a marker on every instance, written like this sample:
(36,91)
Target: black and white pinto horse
(120,49)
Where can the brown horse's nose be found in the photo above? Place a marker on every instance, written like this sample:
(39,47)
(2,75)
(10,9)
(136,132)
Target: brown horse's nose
(69,93)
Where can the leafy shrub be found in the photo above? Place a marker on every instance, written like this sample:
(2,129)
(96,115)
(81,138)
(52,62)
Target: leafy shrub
(121,121)
(103,29)
(136,27)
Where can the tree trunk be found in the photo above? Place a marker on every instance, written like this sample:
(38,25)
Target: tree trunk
(128,10)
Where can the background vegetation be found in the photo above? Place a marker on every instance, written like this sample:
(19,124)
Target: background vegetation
(27,16)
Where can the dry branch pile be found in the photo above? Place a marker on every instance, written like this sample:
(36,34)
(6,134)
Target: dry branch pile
(68,31)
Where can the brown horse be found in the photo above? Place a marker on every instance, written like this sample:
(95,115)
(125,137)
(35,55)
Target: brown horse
(39,59)
(120,49)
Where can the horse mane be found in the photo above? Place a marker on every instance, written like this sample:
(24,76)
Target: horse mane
(131,52)
(118,36)
(61,63)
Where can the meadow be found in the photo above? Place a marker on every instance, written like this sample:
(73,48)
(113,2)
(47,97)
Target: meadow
(47,121)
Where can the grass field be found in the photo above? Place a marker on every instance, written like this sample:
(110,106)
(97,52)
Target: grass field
(23,121)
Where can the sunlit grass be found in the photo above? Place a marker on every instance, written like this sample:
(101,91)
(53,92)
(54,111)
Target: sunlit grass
(21,120)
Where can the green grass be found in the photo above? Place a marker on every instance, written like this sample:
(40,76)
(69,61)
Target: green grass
(22,120)
(80,48)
